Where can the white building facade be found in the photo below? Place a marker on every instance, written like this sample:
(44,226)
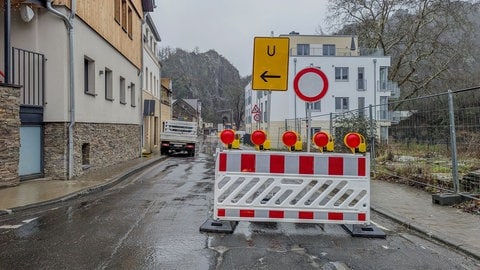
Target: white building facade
(151,87)
(81,108)
(356,80)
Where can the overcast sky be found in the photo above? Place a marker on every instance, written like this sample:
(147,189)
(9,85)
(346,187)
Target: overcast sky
(229,26)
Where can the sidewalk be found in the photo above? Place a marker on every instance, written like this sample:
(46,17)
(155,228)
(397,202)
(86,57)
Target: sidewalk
(414,208)
(34,193)
(407,205)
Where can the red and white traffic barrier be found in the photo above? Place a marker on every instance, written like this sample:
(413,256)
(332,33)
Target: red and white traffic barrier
(292,187)
(292,163)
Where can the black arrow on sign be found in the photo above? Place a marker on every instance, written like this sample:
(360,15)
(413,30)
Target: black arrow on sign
(264,76)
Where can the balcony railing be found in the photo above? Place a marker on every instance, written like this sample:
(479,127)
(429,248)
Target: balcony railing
(338,52)
(389,86)
(28,70)
(319,52)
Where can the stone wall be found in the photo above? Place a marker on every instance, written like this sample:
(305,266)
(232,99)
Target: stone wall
(95,145)
(9,135)
(55,147)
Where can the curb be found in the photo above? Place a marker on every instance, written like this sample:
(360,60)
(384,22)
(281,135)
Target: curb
(89,190)
(418,228)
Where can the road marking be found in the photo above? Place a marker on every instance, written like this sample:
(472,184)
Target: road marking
(11,226)
(29,220)
(16,226)
(380,226)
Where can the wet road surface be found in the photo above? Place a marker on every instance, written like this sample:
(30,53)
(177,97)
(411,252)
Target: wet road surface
(152,220)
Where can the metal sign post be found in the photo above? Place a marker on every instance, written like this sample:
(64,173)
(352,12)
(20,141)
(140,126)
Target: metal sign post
(309,123)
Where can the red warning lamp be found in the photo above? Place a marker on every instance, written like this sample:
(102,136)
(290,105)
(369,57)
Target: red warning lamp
(352,140)
(258,137)
(227,136)
(321,139)
(289,138)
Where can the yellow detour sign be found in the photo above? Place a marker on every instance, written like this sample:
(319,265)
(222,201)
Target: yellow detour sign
(270,63)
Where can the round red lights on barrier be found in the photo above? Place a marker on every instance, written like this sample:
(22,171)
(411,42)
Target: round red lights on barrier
(258,137)
(227,136)
(320,139)
(352,140)
(289,138)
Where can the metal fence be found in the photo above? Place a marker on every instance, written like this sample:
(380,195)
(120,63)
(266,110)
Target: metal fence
(432,141)
(28,70)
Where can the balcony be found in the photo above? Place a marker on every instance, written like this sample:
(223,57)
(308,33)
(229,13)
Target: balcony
(28,70)
(319,52)
(389,86)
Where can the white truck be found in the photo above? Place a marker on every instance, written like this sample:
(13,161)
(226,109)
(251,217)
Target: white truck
(177,137)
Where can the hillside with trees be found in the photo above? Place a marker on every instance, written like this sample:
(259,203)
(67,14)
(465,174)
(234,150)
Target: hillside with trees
(209,77)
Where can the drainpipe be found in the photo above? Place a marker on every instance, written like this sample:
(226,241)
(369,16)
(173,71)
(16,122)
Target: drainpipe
(8,44)
(142,76)
(69,23)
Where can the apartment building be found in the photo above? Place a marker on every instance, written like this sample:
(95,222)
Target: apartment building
(151,87)
(165,100)
(357,78)
(79,64)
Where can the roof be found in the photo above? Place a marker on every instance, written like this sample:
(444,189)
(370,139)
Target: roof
(148,5)
(152,27)
(166,83)
(191,102)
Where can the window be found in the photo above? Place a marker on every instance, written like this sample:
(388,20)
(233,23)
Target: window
(151,83)
(361,107)
(146,78)
(361,79)
(383,78)
(383,108)
(341,74)
(328,49)
(154,86)
(303,49)
(155,131)
(314,130)
(108,84)
(117,11)
(261,110)
(89,76)
(265,113)
(124,14)
(132,95)
(314,106)
(341,104)
(122,91)
(130,23)
(384,134)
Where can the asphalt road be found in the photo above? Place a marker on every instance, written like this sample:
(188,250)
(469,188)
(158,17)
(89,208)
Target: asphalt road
(152,220)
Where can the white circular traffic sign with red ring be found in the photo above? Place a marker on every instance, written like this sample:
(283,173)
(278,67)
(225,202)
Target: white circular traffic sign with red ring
(310,84)
(256,117)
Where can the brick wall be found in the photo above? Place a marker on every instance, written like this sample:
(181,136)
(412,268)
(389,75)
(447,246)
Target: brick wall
(9,135)
(95,146)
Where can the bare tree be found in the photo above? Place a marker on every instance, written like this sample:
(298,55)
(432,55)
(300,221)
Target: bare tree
(424,37)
